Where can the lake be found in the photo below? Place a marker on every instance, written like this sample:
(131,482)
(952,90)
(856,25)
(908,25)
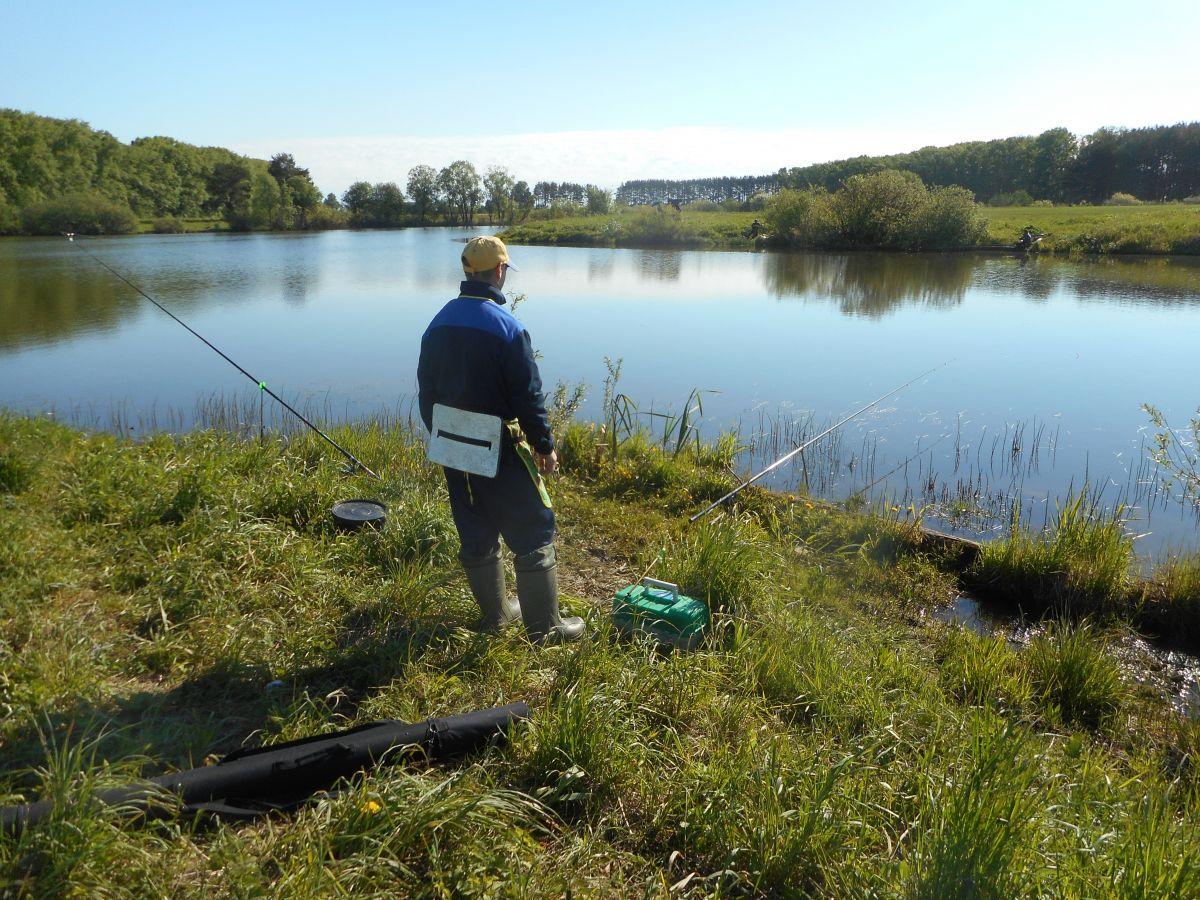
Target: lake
(1048,361)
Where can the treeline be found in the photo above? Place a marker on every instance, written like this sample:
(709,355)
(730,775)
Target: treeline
(44,159)
(457,194)
(1159,163)
(63,175)
(716,190)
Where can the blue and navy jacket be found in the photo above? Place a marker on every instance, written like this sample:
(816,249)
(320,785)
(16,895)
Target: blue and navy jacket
(476,356)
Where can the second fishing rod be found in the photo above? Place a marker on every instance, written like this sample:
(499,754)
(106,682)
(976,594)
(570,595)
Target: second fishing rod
(261,385)
(792,454)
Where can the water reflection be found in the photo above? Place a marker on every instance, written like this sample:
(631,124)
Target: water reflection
(875,284)
(661,265)
(600,266)
(1160,281)
(296,286)
(871,284)
(43,305)
(49,290)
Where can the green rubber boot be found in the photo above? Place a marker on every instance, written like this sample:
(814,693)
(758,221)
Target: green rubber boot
(486,577)
(537,590)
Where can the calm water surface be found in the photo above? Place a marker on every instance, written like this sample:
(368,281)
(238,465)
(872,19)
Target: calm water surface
(1052,360)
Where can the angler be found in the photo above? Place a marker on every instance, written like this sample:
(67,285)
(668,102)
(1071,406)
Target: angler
(480,396)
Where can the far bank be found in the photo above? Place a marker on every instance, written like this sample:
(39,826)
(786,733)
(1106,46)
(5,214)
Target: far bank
(1168,229)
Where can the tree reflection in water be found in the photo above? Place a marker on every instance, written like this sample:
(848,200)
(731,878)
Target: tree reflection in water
(871,284)
(875,284)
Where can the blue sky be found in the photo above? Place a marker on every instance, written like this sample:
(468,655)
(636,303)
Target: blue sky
(597,92)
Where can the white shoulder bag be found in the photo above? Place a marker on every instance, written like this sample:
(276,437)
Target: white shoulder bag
(466,441)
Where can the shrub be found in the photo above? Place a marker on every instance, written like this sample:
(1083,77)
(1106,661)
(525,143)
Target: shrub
(561,208)
(886,210)
(167,225)
(662,225)
(949,218)
(879,209)
(1042,203)
(1194,200)
(323,218)
(82,213)
(10,219)
(1122,199)
(599,201)
(800,217)
(1020,197)
(755,203)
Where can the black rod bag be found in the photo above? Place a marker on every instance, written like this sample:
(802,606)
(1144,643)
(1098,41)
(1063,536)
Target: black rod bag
(249,783)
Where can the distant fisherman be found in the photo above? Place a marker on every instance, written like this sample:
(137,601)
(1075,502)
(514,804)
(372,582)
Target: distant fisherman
(480,396)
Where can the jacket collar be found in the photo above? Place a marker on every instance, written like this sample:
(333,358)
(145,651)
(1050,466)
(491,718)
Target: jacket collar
(481,290)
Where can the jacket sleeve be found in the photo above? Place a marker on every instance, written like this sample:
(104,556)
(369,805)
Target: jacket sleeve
(425,387)
(524,385)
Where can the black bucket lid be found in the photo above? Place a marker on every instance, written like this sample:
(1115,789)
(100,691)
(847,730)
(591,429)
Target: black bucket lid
(354,514)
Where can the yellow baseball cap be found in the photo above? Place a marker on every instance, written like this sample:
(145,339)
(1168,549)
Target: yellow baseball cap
(482,254)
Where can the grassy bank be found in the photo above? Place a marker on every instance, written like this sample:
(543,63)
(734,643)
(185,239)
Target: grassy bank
(829,739)
(1161,228)
(1150,228)
(638,227)
(1083,566)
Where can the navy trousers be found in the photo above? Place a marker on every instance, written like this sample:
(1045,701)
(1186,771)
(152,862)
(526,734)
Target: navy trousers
(508,506)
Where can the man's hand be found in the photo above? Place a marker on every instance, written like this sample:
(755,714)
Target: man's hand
(546,462)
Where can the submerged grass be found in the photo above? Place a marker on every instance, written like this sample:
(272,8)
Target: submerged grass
(825,742)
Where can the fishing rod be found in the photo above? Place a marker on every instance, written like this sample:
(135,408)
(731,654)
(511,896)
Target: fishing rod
(779,462)
(262,385)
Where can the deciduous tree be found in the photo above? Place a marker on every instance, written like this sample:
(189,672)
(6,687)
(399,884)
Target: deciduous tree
(423,191)
(460,185)
(499,185)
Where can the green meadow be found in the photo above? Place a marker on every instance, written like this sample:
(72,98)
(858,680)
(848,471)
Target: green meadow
(1159,228)
(830,737)
(1171,228)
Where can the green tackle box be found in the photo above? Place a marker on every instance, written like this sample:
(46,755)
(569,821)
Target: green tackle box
(657,609)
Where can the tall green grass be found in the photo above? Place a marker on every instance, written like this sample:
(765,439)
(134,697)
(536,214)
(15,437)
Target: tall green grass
(980,830)
(1079,566)
(1171,599)
(827,742)
(983,671)
(1075,676)
(724,562)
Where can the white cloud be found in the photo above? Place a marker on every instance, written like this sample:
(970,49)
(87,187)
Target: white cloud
(601,157)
